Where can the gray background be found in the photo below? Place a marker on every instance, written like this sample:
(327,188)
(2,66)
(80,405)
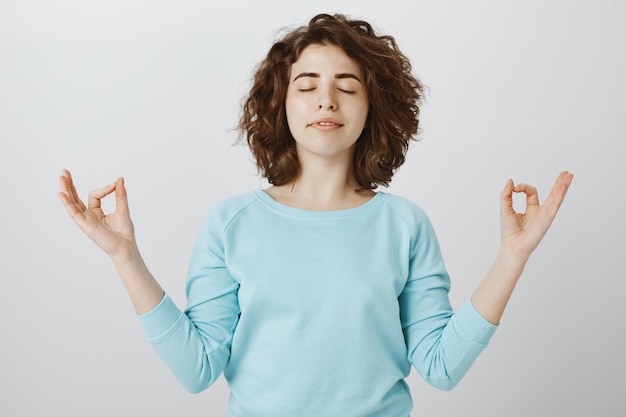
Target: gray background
(150,90)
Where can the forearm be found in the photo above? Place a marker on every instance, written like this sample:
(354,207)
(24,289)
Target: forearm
(113,233)
(520,235)
(143,289)
(493,293)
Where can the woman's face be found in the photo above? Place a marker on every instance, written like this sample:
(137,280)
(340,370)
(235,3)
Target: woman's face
(326,102)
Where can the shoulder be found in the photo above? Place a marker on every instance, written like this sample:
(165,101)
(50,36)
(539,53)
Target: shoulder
(224,211)
(405,208)
(413,216)
(424,240)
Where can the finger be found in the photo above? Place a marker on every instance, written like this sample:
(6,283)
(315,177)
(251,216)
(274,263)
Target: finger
(73,187)
(75,211)
(506,198)
(559,190)
(532,198)
(67,186)
(93,202)
(121,197)
(65,183)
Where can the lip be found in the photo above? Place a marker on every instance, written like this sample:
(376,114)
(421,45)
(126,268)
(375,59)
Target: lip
(325,123)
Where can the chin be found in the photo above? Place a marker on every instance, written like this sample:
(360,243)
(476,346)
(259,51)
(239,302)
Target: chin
(327,150)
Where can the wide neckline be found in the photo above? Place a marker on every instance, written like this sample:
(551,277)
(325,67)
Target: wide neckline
(366,207)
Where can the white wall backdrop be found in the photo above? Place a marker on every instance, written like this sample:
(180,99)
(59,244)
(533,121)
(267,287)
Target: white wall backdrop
(150,90)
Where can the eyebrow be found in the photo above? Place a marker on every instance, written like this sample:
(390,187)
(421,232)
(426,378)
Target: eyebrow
(337,76)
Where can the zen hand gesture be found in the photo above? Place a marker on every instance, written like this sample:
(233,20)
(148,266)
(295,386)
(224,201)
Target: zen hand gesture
(113,232)
(522,232)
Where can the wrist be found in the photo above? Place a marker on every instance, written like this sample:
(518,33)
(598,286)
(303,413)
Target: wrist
(126,256)
(510,259)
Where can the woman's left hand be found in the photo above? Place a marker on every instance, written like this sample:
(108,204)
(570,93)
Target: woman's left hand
(522,232)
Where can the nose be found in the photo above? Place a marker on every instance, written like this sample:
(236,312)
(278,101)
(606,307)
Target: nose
(327,100)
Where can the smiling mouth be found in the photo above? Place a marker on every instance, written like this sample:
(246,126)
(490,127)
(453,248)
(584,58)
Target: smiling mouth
(324,124)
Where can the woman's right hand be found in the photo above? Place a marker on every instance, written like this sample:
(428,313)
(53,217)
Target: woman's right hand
(113,232)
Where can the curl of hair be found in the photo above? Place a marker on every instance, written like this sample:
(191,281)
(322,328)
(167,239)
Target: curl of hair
(394,97)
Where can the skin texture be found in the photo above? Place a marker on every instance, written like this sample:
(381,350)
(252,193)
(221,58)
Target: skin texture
(326,107)
(325,85)
(114,233)
(325,182)
(520,234)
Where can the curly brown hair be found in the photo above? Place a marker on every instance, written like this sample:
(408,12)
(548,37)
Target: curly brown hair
(394,96)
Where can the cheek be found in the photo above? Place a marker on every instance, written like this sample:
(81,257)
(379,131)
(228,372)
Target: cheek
(292,115)
(289,108)
(294,109)
(363,113)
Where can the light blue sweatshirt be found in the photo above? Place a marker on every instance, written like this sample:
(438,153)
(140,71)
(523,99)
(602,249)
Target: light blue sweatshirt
(317,313)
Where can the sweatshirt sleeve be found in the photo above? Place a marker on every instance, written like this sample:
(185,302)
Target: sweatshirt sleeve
(195,343)
(441,345)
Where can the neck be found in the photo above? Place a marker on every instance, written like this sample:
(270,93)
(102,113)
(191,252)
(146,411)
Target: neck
(322,185)
(323,190)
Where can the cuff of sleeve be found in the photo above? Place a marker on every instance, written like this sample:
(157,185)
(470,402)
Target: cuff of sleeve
(474,324)
(158,321)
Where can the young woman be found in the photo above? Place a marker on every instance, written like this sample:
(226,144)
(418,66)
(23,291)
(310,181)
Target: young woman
(316,295)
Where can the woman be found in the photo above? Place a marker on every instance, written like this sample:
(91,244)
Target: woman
(316,295)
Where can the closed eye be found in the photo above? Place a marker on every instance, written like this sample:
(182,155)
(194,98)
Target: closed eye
(306,89)
(346,91)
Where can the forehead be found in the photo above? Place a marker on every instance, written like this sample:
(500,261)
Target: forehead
(322,59)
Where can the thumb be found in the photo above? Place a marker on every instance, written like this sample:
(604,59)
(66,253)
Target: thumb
(506,199)
(121,197)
